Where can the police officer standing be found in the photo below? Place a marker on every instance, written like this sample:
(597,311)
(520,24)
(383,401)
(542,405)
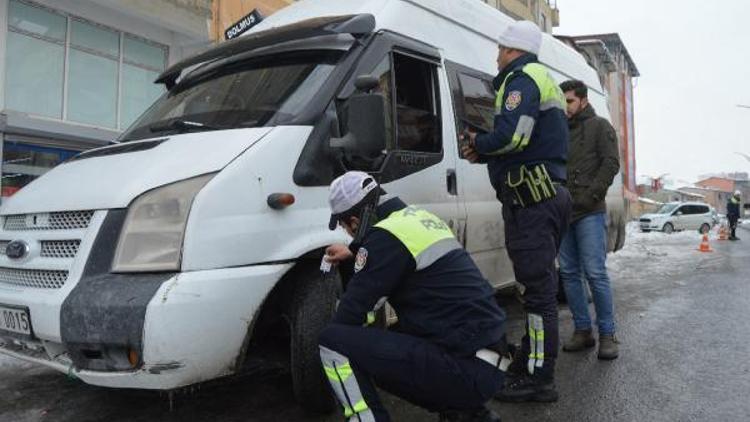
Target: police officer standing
(526,157)
(733,214)
(445,352)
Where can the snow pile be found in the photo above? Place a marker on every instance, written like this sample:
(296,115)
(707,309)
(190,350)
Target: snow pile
(654,248)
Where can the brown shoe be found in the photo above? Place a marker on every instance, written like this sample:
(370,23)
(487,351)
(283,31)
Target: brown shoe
(581,340)
(608,347)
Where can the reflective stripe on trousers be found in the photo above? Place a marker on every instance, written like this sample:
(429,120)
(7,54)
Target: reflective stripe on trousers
(536,342)
(344,382)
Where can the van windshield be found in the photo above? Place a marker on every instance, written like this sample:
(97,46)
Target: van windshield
(237,95)
(667,208)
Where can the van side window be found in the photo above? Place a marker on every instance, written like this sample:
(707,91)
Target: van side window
(417,99)
(478,101)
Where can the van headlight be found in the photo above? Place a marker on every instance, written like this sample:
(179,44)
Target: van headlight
(151,238)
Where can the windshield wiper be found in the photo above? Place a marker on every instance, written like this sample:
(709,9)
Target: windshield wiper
(181,126)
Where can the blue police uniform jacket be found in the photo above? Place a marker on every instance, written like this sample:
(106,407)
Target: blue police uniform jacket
(448,303)
(520,113)
(733,208)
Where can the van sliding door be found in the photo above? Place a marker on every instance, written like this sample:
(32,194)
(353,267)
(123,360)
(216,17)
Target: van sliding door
(474,105)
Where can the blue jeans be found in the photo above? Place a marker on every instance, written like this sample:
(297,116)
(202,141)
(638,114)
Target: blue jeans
(584,253)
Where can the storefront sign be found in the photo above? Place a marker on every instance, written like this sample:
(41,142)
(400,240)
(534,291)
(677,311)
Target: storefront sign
(243,25)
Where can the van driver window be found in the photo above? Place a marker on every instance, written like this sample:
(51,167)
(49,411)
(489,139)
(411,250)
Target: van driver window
(417,120)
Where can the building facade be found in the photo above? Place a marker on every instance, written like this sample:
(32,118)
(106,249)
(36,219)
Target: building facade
(722,188)
(542,12)
(227,12)
(75,73)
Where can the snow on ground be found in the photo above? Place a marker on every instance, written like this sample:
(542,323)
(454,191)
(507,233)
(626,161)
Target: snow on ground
(10,362)
(655,248)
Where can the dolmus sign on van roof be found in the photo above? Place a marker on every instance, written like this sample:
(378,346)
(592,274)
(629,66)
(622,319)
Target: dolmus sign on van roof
(243,25)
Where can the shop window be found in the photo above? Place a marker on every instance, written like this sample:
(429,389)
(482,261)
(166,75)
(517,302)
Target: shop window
(142,63)
(109,77)
(35,60)
(22,163)
(92,78)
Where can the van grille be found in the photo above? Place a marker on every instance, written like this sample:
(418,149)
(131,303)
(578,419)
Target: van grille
(40,279)
(67,220)
(59,248)
(55,241)
(645,220)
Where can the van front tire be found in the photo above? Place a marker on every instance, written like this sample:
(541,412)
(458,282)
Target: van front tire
(312,307)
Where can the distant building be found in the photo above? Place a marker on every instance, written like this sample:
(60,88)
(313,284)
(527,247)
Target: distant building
(721,188)
(649,199)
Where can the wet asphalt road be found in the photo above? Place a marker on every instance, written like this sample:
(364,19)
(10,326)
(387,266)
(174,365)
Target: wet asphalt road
(684,357)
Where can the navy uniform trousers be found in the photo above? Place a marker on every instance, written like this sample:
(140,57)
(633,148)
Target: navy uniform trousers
(532,238)
(409,367)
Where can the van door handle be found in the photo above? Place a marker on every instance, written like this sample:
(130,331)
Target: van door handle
(451,182)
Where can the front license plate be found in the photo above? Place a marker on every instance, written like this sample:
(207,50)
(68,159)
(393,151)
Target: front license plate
(15,320)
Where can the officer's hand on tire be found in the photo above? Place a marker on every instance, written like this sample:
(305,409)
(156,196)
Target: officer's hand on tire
(338,253)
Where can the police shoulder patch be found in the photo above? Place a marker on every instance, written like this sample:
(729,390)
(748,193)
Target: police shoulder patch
(513,101)
(361,260)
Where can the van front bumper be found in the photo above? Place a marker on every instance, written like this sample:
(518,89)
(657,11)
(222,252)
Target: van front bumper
(194,330)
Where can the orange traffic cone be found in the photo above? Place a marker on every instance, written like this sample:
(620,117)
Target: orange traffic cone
(723,235)
(705,247)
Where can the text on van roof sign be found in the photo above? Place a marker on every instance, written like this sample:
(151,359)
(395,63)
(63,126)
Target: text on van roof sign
(243,25)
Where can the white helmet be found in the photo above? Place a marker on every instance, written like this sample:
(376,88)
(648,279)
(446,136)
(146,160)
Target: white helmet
(737,193)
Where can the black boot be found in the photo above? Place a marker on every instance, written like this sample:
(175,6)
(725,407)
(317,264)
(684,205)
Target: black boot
(480,415)
(519,363)
(529,388)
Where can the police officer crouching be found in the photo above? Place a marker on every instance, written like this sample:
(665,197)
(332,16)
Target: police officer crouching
(445,352)
(526,158)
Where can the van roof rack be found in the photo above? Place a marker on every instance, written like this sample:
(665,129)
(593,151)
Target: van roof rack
(355,25)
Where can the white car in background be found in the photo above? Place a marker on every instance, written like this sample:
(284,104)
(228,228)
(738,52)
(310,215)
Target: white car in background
(677,216)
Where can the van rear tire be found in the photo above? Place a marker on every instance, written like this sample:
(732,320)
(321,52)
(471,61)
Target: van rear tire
(705,228)
(312,307)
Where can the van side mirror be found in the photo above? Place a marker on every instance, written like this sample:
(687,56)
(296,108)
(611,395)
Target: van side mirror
(366,83)
(365,140)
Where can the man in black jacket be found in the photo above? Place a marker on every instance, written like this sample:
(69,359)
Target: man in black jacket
(733,214)
(445,352)
(593,162)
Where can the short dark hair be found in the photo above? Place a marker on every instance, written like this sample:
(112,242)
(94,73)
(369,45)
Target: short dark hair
(578,87)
